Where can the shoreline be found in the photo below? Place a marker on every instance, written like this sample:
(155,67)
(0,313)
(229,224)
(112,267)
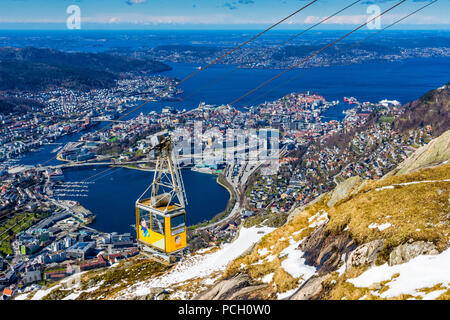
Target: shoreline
(230,203)
(231,192)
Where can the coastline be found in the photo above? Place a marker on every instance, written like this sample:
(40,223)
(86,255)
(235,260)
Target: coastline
(221,216)
(132,168)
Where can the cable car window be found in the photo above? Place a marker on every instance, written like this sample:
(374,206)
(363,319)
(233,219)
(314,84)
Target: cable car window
(177,221)
(157,223)
(144,217)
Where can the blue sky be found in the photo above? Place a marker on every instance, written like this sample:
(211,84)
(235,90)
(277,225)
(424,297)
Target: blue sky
(209,14)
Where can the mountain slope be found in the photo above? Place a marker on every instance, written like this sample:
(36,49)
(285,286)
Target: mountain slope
(432,109)
(39,69)
(375,242)
(433,153)
(379,228)
(94,61)
(18,105)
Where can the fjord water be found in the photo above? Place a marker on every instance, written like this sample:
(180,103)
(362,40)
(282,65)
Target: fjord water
(403,81)
(113,194)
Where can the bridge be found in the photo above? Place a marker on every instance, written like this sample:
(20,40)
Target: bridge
(99,119)
(94,164)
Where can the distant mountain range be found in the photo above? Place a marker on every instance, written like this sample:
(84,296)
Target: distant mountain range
(39,69)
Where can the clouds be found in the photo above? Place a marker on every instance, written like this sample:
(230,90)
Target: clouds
(131,2)
(218,12)
(386,19)
(144,19)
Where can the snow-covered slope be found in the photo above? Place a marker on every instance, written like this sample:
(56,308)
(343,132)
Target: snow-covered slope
(202,268)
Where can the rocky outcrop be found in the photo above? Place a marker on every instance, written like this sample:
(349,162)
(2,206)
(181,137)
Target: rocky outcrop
(431,154)
(405,252)
(311,289)
(296,211)
(235,288)
(343,189)
(155,294)
(365,254)
(324,250)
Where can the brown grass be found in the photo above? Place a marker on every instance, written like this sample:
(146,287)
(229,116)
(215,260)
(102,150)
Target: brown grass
(435,173)
(284,281)
(423,206)
(118,278)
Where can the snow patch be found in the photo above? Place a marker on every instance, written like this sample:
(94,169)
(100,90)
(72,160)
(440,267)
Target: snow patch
(410,183)
(294,264)
(72,296)
(267,278)
(380,227)
(42,293)
(384,188)
(210,281)
(434,294)
(318,219)
(298,232)
(424,271)
(342,268)
(263,252)
(286,294)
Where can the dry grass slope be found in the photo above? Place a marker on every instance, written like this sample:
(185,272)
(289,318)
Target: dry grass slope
(419,211)
(412,206)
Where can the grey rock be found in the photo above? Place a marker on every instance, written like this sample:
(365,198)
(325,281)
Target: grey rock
(233,288)
(434,153)
(405,252)
(343,189)
(154,294)
(295,211)
(311,289)
(324,250)
(364,254)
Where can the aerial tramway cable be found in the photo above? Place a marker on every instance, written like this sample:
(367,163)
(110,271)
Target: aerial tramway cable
(343,50)
(205,67)
(392,24)
(314,54)
(334,42)
(275,48)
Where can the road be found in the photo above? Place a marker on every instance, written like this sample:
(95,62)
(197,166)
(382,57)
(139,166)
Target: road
(240,180)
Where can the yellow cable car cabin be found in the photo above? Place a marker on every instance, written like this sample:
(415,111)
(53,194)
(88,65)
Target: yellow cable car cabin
(162,227)
(160,210)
